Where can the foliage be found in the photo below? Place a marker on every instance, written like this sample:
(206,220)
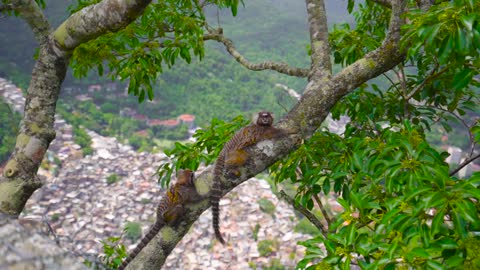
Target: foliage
(133,230)
(348,44)
(304,226)
(166,31)
(274,264)
(401,206)
(114,252)
(267,247)
(255,231)
(8,130)
(266,206)
(113,178)
(81,137)
(208,144)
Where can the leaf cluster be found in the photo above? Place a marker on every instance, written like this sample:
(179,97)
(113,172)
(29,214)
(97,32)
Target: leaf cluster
(167,31)
(208,142)
(400,206)
(349,45)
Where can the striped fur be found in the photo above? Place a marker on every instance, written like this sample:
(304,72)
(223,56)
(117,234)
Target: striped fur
(168,209)
(143,243)
(260,130)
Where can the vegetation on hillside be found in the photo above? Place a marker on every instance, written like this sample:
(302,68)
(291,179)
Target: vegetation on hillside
(8,130)
(401,205)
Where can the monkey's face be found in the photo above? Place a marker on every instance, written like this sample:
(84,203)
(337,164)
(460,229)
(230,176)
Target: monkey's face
(265,119)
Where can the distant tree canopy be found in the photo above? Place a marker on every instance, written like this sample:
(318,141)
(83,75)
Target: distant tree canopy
(403,207)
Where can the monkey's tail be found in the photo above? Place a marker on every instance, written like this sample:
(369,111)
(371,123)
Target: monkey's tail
(215,196)
(145,240)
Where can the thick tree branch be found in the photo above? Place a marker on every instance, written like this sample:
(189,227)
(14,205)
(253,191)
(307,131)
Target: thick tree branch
(33,15)
(319,44)
(301,122)
(291,92)
(283,68)
(36,130)
(320,96)
(96,20)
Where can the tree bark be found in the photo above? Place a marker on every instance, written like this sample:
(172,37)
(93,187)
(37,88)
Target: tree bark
(322,92)
(36,132)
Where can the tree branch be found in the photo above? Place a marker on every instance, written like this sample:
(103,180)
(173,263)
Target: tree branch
(465,163)
(462,121)
(324,211)
(279,67)
(319,44)
(96,20)
(320,96)
(36,133)
(33,15)
(311,217)
(291,92)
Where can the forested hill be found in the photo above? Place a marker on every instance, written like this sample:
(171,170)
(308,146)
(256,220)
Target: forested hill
(216,87)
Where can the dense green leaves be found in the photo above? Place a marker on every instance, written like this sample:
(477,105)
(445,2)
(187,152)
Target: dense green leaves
(402,208)
(167,31)
(208,144)
(349,44)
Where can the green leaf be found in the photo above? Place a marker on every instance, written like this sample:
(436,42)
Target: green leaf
(351,4)
(437,222)
(462,78)
(446,48)
(468,20)
(435,265)
(473,192)
(234,9)
(459,224)
(419,252)
(461,41)
(141,96)
(468,210)
(416,192)
(352,233)
(447,243)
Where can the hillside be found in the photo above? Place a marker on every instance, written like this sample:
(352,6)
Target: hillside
(262,30)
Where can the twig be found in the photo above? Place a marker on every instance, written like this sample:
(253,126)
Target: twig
(391,81)
(465,163)
(283,68)
(324,211)
(294,94)
(431,76)
(50,229)
(470,134)
(312,218)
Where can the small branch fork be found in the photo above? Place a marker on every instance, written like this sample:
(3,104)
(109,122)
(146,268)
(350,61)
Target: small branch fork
(311,217)
(33,16)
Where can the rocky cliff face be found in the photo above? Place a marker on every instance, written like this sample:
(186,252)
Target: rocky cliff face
(82,208)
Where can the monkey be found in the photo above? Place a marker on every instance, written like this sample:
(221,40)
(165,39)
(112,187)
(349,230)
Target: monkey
(169,209)
(234,155)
